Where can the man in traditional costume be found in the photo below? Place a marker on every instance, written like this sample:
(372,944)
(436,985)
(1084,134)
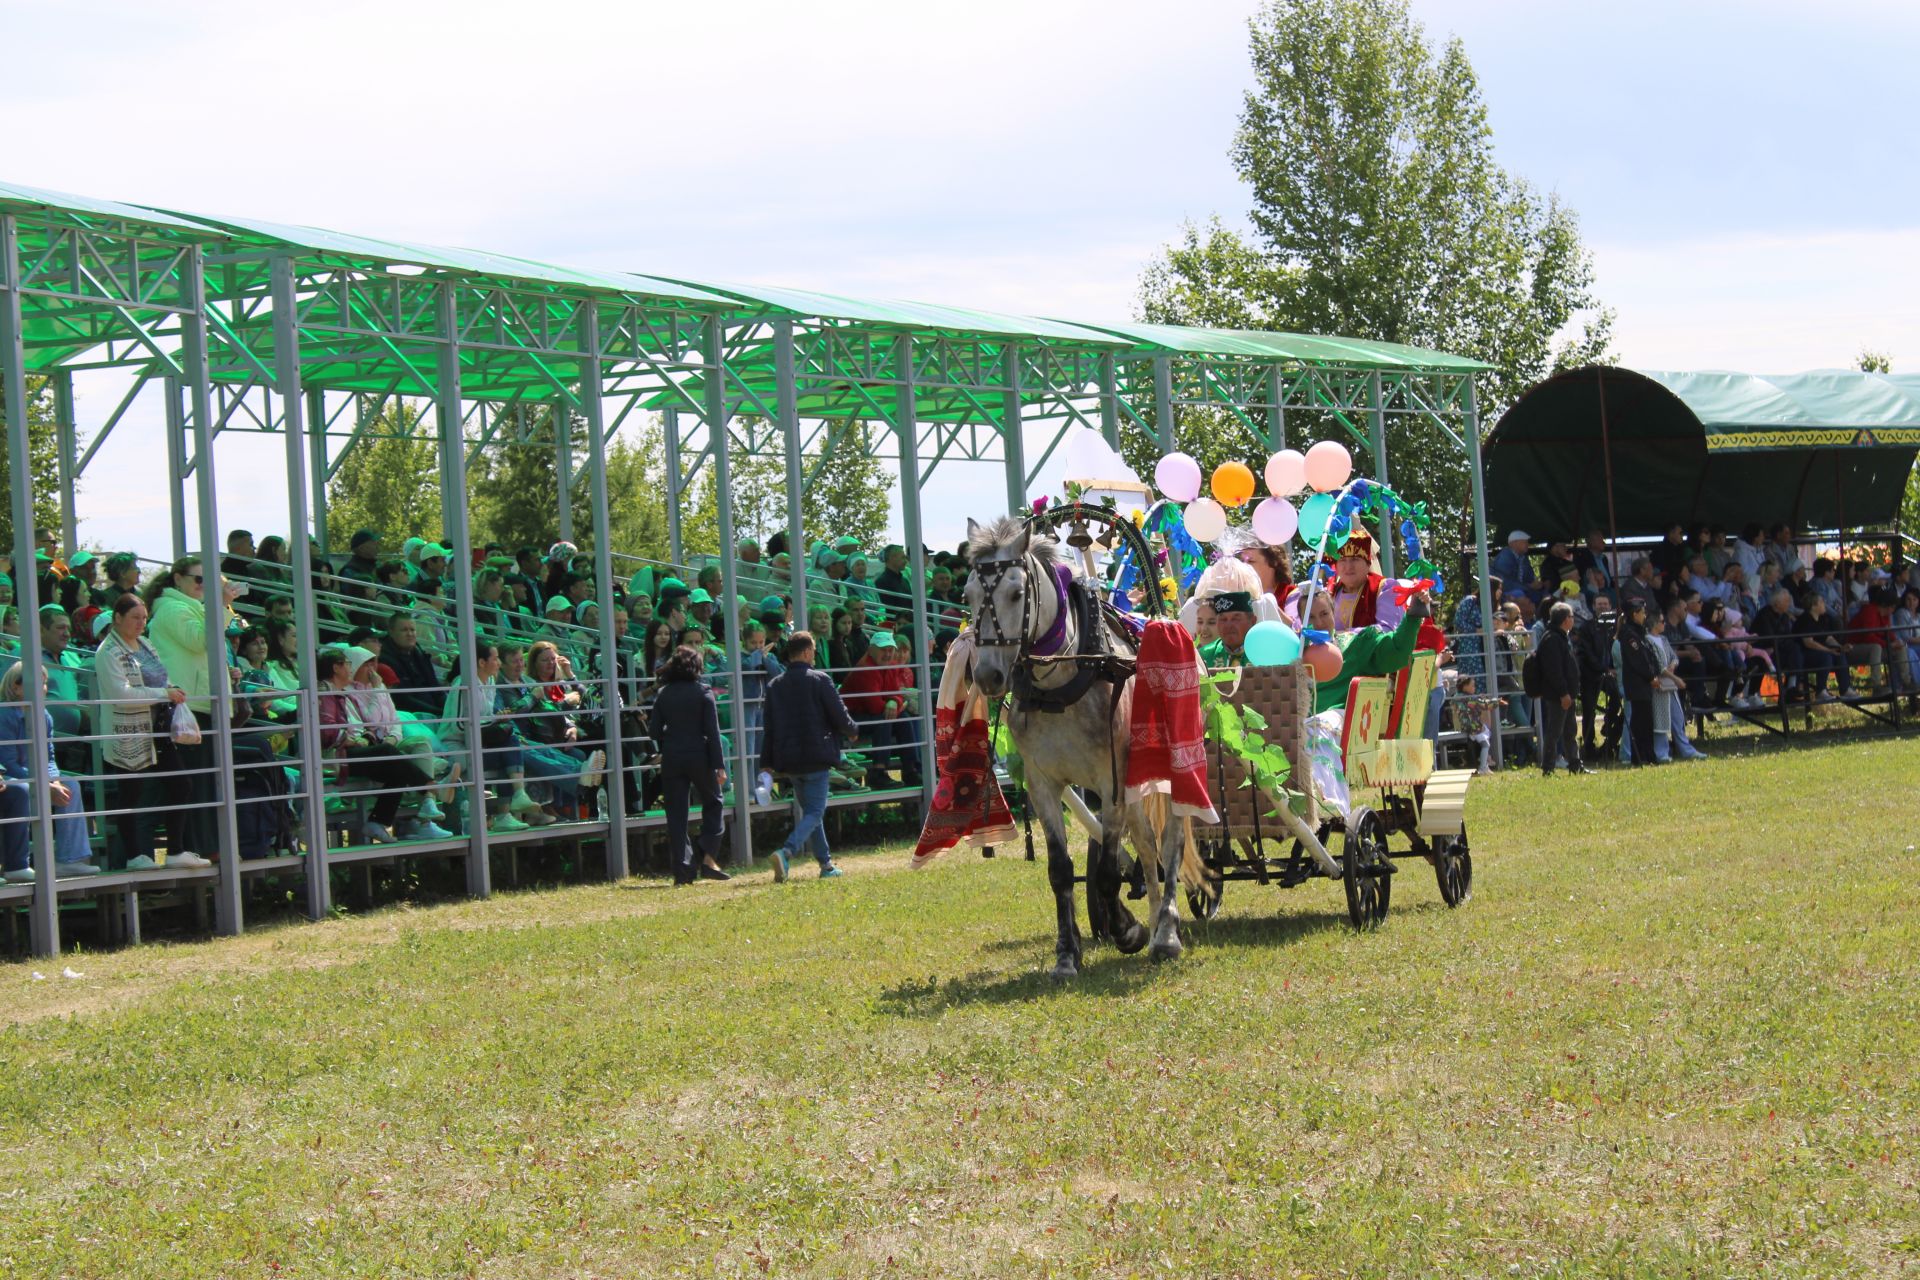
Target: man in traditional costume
(1355,590)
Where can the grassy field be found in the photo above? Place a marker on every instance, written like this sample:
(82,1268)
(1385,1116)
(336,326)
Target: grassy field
(1676,1032)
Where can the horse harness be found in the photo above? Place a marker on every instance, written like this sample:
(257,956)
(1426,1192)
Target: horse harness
(1095,658)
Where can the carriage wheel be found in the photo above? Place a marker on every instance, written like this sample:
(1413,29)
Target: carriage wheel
(1365,871)
(1204,903)
(1453,866)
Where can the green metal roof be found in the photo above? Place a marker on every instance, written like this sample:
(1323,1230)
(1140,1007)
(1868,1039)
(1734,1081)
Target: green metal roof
(894,313)
(1758,411)
(85,206)
(1357,353)
(468,261)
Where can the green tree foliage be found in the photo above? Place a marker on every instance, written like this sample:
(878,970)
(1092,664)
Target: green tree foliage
(1379,211)
(1871,361)
(389,481)
(851,493)
(43,455)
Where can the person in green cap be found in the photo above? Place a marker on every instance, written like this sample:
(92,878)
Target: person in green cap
(1232,619)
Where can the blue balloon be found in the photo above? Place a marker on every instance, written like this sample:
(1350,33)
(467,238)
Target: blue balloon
(1272,644)
(1406,529)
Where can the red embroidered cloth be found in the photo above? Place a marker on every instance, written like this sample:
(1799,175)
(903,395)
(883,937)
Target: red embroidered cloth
(1169,750)
(967,802)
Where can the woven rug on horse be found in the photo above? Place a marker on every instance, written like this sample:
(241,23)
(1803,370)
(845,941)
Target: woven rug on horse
(967,801)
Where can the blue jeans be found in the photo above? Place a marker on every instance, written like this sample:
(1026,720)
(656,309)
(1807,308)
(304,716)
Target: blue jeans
(69,825)
(810,790)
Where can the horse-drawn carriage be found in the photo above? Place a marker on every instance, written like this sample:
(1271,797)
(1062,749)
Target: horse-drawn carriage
(1386,787)
(1070,668)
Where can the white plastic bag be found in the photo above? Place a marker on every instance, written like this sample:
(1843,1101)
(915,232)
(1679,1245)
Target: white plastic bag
(186,730)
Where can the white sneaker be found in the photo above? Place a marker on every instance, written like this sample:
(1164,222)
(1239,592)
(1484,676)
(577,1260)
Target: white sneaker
(521,802)
(23,876)
(506,822)
(142,863)
(428,831)
(187,860)
(596,766)
(74,870)
(374,833)
(430,809)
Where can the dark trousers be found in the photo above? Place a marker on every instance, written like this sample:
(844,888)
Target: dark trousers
(1556,734)
(199,828)
(680,784)
(1641,727)
(151,801)
(1591,687)
(387,768)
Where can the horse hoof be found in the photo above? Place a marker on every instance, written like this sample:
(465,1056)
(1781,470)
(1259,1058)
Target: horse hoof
(1065,970)
(1130,941)
(1169,950)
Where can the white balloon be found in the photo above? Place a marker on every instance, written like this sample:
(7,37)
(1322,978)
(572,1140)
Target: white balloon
(1328,465)
(1178,476)
(1286,473)
(1205,519)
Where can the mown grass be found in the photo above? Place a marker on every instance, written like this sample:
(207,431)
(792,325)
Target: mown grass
(1674,1033)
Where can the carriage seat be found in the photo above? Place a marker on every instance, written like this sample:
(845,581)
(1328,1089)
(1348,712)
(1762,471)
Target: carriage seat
(1283,697)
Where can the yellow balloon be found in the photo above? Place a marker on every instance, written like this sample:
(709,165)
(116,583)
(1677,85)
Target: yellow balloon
(1233,484)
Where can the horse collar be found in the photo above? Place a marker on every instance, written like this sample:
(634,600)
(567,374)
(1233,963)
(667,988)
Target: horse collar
(1048,643)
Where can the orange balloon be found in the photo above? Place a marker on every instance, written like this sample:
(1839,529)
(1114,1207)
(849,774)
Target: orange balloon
(1233,484)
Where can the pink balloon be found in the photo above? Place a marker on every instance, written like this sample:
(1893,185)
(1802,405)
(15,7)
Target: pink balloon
(1325,661)
(1178,477)
(1286,473)
(1275,521)
(1328,465)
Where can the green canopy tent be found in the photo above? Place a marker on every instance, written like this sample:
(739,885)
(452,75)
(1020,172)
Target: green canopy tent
(1633,451)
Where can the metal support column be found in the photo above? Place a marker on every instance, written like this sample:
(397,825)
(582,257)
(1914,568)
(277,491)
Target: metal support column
(316,443)
(62,381)
(176,468)
(786,408)
(1163,401)
(715,390)
(906,426)
(670,418)
(44,914)
(1377,415)
(1481,567)
(592,408)
(1013,441)
(193,364)
(562,420)
(1110,401)
(294,408)
(1277,425)
(453,515)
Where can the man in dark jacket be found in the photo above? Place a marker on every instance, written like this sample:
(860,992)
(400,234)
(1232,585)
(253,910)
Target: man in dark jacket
(1559,686)
(805,722)
(419,690)
(1593,646)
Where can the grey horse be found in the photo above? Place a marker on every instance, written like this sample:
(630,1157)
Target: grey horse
(1014,602)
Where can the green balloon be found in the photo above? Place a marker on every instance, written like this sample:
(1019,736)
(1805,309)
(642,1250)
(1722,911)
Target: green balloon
(1315,513)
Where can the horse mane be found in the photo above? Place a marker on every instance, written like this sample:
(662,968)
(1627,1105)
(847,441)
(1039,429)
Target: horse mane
(995,534)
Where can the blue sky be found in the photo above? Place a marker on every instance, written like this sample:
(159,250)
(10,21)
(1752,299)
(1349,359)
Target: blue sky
(1745,173)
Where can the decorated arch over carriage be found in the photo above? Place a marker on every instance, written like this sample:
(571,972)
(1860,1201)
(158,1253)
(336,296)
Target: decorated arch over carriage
(210,328)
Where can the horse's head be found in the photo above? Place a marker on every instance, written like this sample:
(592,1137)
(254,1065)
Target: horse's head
(1005,557)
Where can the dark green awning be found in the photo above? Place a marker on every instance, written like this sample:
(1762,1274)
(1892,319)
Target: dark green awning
(1819,450)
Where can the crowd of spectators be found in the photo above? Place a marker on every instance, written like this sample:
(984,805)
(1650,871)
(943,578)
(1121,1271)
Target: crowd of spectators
(125,655)
(1697,624)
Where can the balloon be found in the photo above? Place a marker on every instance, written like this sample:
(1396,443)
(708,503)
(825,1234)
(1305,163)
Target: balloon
(1205,519)
(1328,465)
(1275,521)
(1286,473)
(1315,514)
(1232,483)
(1271,644)
(1177,476)
(1325,661)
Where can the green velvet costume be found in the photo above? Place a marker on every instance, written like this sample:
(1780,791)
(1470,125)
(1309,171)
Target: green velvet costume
(1370,651)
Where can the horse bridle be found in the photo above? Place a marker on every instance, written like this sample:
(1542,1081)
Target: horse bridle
(990,573)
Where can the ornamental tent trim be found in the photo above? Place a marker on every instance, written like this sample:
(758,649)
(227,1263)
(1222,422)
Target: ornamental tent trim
(1633,451)
(235,325)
